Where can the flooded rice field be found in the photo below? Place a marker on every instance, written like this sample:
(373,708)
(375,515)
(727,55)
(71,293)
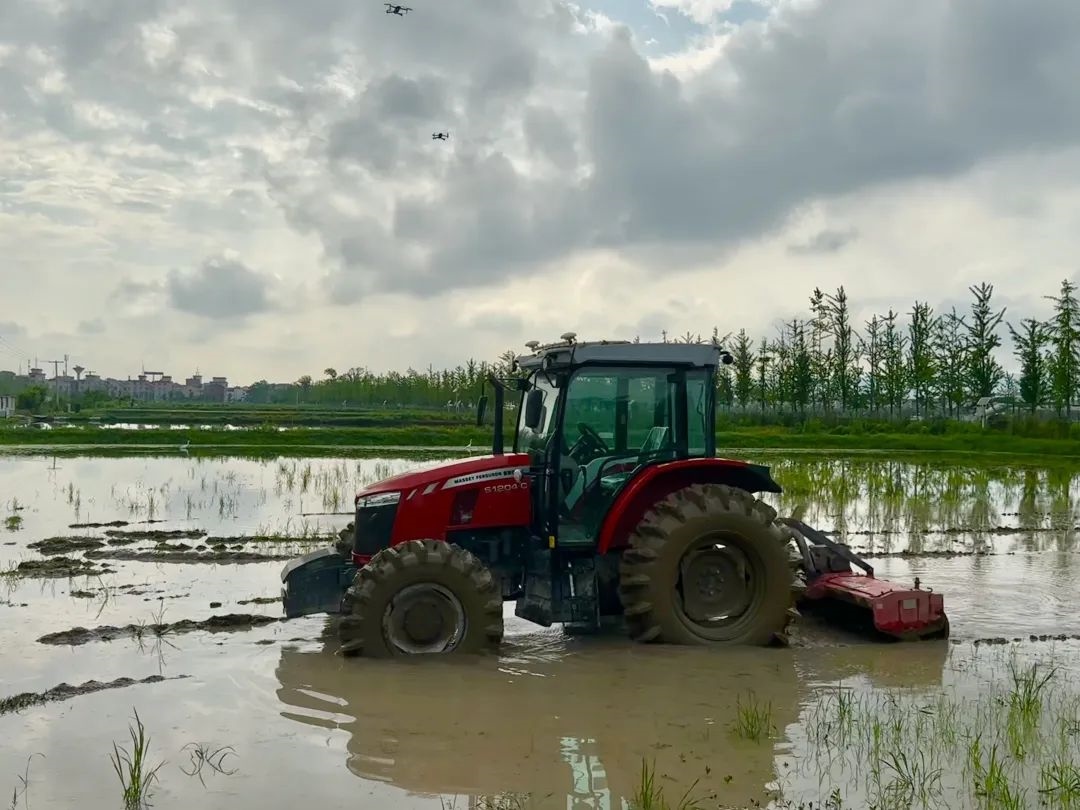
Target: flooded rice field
(150,585)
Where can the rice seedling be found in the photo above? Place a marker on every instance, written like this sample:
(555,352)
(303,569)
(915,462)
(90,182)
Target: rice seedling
(21,789)
(13,523)
(1059,783)
(133,769)
(201,755)
(753,719)
(649,795)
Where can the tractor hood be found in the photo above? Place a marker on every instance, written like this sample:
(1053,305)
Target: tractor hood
(450,469)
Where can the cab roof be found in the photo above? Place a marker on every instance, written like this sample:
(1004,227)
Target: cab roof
(620,352)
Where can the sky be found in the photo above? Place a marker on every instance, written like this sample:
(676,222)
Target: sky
(252,189)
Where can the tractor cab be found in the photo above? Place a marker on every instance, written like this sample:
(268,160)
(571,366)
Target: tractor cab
(593,415)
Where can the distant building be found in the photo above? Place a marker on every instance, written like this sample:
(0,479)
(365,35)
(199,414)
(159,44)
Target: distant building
(7,406)
(147,386)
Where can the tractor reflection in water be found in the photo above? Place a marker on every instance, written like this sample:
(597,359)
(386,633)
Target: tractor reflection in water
(569,724)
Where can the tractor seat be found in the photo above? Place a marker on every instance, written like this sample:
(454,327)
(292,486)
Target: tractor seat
(586,474)
(655,441)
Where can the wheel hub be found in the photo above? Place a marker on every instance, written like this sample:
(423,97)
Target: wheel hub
(716,584)
(424,618)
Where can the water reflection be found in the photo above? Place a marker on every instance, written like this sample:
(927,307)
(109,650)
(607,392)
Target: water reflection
(574,732)
(888,505)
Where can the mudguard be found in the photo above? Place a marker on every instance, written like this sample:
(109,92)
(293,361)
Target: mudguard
(315,583)
(657,480)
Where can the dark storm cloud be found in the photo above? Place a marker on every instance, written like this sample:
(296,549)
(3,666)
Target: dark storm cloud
(826,241)
(219,289)
(548,135)
(827,99)
(330,107)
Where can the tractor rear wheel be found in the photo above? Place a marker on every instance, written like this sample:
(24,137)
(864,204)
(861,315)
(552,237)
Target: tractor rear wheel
(708,564)
(423,596)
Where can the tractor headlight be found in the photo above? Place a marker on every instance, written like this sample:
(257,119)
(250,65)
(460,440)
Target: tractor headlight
(379,499)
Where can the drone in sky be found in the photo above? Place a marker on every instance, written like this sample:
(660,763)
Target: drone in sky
(440,136)
(401,11)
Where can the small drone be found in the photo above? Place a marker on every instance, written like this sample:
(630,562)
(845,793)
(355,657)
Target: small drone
(440,136)
(401,11)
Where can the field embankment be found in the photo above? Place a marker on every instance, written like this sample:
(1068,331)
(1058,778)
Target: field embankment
(288,440)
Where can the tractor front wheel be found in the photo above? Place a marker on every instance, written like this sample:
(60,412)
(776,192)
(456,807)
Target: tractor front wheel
(423,596)
(708,564)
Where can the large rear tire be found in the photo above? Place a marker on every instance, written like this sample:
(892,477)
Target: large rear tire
(708,564)
(422,596)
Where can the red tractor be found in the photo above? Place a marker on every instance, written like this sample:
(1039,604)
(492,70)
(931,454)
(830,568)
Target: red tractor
(612,507)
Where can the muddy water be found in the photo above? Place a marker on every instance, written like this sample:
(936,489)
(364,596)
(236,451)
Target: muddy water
(566,721)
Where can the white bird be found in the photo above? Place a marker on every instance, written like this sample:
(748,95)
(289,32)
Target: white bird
(184,447)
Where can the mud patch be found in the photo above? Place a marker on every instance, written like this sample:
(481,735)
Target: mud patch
(58,568)
(157,534)
(269,538)
(171,555)
(998,640)
(110,524)
(66,691)
(226,622)
(65,545)
(260,600)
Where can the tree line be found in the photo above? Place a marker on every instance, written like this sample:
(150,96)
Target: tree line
(927,362)
(922,361)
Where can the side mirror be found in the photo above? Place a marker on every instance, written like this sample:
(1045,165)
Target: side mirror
(726,358)
(481,411)
(534,406)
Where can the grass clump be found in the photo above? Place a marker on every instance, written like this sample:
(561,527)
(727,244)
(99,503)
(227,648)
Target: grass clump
(650,796)
(20,790)
(202,755)
(1006,735)
(133,769)
(753,719)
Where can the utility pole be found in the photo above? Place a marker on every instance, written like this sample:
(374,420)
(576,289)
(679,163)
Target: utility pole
(56,385)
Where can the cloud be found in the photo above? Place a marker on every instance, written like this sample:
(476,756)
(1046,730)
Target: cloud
(825,241)
(141,136)
(219,289)
(94,326)
(9,330)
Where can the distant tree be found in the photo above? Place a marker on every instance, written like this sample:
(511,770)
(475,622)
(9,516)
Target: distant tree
(983,371)
(921,360)
(949,341)
(742,353)
(1029,347)
(873,347)
(304,384)
(331,374)
(845,356)
(780,365)
(801,367)
(763,359)
(32,398)
(258,392)
(894,372)
(1065,348)
(820,355)
(725,388)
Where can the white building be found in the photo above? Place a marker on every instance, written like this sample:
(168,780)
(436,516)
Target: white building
(7,406)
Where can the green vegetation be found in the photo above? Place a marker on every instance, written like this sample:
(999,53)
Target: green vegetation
(133,769)
(20,790)
(753,719)
(649,795)
(1012,744)
(732,435)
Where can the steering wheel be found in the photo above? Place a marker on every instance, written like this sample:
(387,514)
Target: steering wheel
(598,444)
